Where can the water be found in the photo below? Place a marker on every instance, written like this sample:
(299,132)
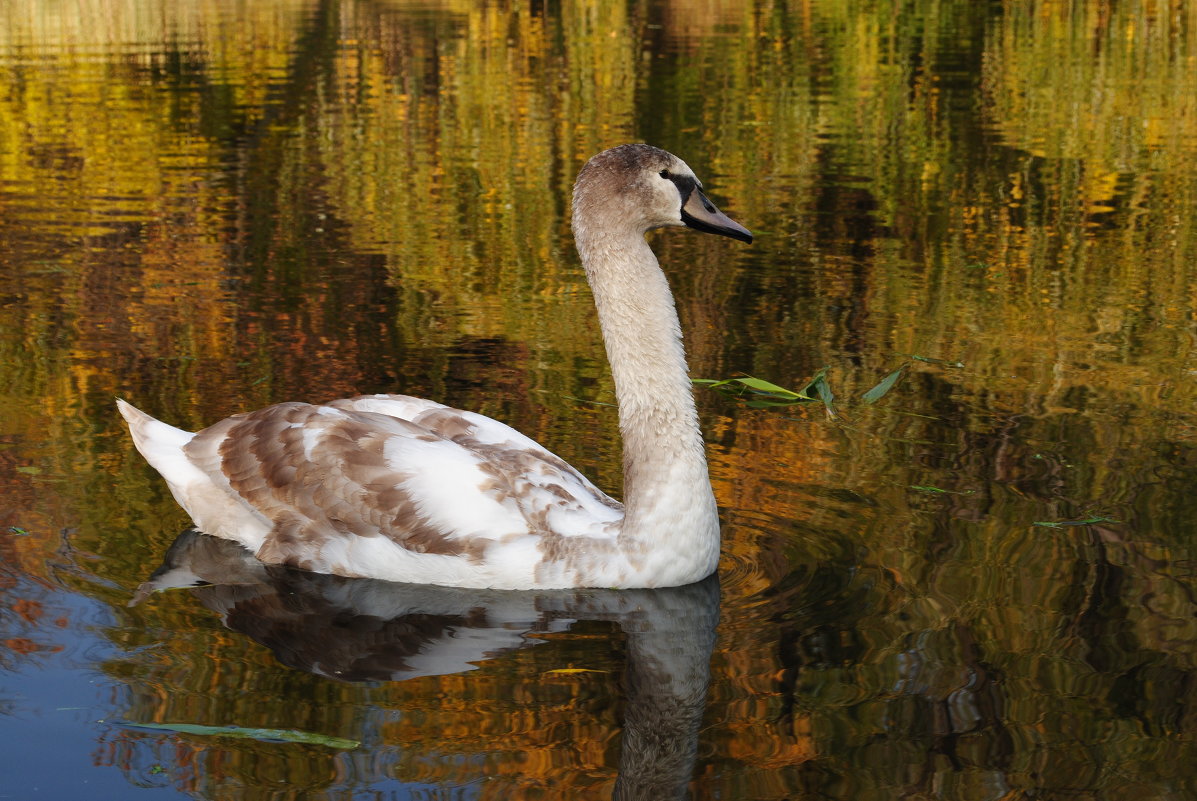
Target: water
(979,586)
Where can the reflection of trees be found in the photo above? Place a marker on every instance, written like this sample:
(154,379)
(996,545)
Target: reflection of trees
(28,612)
(913,686)
(313,199)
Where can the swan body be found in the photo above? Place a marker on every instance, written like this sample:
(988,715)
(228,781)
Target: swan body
(404,489)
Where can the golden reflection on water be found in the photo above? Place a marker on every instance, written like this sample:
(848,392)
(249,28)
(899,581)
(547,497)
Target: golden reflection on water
(206,207)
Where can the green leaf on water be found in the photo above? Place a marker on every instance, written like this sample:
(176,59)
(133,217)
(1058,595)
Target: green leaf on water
(767,387)
(757,393)
(753,387)
(930,360)
(271,735)
(887,383)
(819,388)
(1088,521)
(938,491)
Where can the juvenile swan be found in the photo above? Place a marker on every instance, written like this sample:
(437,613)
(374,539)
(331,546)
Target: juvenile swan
(404,489)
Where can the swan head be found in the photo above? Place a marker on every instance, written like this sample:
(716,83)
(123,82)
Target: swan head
(643,187)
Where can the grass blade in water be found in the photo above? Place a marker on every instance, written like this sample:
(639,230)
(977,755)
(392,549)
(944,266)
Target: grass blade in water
(764,387)
(270,735)
(930,360)
(819,388)
(887,383)
(759,393)
(753,388)
(1088,521)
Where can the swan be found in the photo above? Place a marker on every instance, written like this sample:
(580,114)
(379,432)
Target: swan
(404,489)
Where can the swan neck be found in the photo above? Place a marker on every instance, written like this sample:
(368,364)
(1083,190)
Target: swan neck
(666,485)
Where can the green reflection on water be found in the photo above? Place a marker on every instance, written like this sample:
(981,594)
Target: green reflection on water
(207,207)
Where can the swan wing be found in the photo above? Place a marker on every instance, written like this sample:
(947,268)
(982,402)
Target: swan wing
(341,489)
(498,441)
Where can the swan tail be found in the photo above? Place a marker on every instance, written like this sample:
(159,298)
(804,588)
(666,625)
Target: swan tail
(160,444)
(214,509)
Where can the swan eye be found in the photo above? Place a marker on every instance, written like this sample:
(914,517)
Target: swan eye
(665,174)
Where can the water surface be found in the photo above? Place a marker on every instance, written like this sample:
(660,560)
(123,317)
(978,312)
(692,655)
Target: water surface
(979,586)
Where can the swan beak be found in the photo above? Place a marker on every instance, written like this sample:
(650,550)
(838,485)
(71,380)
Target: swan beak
(700,214)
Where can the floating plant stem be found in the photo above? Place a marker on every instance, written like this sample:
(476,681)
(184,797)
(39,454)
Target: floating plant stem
(761,394)
(1088,521)
(245,733)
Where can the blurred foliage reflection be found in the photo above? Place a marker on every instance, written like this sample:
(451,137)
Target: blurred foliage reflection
(207,206)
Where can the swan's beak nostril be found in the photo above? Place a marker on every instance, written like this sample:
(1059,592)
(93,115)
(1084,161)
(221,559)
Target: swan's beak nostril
(700,214)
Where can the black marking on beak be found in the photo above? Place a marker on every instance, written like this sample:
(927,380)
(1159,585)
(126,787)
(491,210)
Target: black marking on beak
(699,213)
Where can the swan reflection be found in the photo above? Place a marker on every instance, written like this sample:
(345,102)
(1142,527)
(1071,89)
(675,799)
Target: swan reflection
(358,630)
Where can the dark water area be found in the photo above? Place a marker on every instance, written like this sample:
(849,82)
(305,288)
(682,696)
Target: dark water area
(974,578)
